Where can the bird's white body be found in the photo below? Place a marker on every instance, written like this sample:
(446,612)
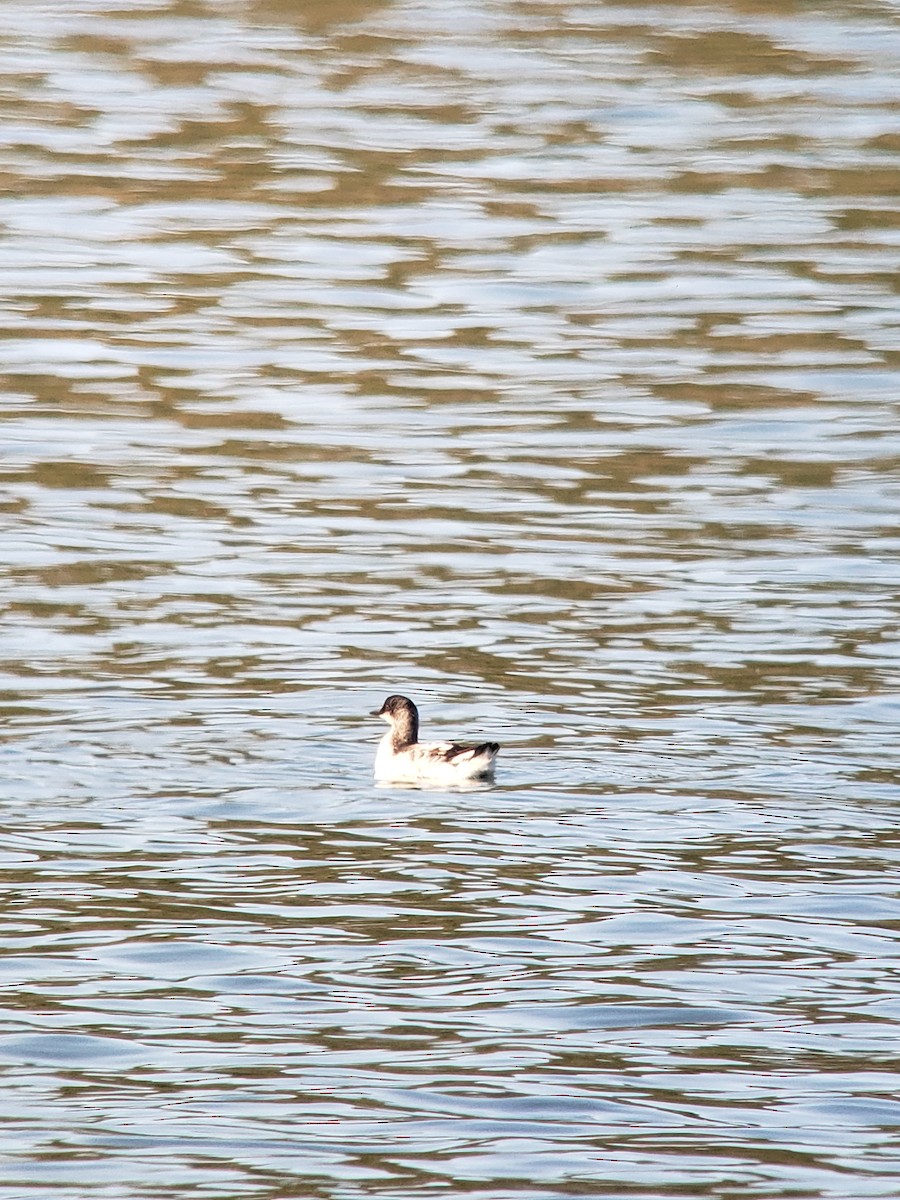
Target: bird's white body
(432,762)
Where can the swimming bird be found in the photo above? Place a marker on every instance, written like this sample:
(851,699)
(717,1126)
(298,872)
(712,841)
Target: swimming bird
(402,758)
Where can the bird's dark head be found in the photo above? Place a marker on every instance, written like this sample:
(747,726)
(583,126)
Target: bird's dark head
(403,716)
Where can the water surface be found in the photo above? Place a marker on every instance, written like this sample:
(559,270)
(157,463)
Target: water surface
(538,360)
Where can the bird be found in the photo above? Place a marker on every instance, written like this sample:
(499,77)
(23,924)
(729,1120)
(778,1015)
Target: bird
(402,758)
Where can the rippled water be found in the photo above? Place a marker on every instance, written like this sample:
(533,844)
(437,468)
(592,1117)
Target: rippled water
(539,360)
